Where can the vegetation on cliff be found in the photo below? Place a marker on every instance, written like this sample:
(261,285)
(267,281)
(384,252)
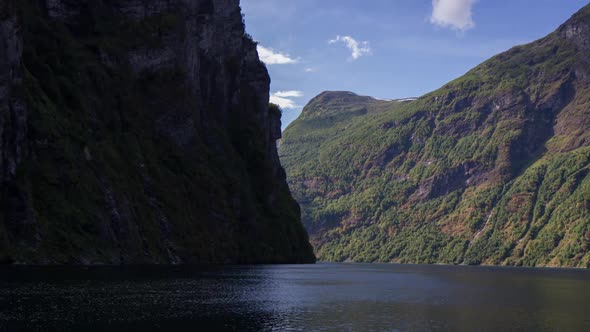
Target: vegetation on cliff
(147,139)
(490,169)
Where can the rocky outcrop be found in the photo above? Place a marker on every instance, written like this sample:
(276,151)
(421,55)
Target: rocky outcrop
(140,133)
(578,30)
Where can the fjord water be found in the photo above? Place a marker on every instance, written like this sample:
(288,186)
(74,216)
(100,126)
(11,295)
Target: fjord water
(323,297)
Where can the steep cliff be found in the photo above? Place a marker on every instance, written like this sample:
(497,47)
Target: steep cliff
(493,168)
(138,131)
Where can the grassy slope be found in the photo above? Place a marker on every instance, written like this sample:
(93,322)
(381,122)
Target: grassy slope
(489,169)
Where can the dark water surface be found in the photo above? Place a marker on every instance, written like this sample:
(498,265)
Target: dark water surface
(323,297)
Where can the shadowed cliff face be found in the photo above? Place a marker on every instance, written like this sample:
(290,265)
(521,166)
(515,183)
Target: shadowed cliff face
(139,132)
(490,169)
(13,130)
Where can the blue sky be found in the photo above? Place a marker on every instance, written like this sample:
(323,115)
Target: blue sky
(387,48)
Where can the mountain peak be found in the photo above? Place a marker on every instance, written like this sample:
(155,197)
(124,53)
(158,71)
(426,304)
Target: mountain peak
(328,96)
(329,103)
(336,102)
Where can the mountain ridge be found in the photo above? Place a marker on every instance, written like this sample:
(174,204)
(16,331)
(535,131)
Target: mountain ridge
(489,169)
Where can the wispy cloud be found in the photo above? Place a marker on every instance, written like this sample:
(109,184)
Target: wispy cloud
(455,14)
(288,94)
(285,98)
(270,57)
(310,70)
(358,49)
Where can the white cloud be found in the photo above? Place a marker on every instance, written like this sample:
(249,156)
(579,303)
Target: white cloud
(289,94)
(270,57)
(285,98)
(357,48)
(310,70)
(455,14)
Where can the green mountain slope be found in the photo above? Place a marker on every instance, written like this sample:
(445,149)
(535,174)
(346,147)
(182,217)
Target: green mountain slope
(490,169)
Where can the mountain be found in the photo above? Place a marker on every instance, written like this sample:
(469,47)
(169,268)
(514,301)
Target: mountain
(325,118)
(139,132)
(492,168)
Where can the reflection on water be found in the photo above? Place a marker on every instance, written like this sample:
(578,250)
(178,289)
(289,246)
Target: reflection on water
(323,297)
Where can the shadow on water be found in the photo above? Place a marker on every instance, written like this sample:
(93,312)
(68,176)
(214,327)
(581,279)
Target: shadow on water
(323,297)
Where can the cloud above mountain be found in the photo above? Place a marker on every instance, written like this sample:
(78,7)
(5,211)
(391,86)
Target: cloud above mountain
(357,48)
(285,98)
(454,14)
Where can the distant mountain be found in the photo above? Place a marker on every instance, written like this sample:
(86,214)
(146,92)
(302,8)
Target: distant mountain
(493,168)
(136,132)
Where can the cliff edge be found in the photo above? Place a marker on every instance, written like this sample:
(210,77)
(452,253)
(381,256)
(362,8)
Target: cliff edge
(139,132)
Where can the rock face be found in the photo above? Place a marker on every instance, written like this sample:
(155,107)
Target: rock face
(13,131)
(139,132)
(490,169)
